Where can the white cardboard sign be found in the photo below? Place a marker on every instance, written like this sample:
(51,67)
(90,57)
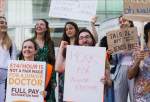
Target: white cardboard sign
(73,9)
(25,81)
(85,66)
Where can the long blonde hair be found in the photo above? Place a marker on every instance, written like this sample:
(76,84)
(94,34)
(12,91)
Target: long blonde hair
(6,41)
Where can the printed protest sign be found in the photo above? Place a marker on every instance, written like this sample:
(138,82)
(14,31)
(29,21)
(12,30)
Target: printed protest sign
(122,39)
(25,81)
(84,68)
(137,10)
(73,9)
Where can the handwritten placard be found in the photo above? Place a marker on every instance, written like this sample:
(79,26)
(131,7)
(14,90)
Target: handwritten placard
(137,10)
(25,81)
(84,68)
(73,9)
(122,39)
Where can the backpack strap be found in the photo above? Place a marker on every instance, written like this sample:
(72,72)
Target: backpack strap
(113,69)
(10,50)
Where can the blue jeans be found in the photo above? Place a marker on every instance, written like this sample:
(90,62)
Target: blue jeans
(3,77)
(109,95)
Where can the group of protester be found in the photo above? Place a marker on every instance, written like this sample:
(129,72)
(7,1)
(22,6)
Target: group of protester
(130,71)
(38,48)
(128,74)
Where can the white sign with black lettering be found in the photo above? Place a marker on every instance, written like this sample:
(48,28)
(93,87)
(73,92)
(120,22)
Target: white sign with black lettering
(73,9)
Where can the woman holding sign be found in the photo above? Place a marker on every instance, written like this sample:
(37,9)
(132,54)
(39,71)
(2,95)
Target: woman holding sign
(85,38)
(140,70)
(122,61)
(70,33)
(8,51)
(29,51)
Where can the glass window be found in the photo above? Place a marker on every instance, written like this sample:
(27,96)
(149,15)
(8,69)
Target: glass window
(28,32)
(114,5)
(101,5)
(11,33)
(24,13)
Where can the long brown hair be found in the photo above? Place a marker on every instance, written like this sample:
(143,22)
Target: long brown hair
(146,32)
(64,36)
(49,41)
(6,41)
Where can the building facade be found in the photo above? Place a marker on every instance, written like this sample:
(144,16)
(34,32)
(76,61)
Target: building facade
(22,15)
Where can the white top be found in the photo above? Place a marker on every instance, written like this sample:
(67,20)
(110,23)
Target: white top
(5,56)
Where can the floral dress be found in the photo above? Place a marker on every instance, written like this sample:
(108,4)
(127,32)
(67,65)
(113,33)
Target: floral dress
(47,54)
(142,82)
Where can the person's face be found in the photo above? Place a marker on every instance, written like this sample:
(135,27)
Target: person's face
(28,50)
(3,25)
(85,39)
(70,31)
(40,27)
(124,23)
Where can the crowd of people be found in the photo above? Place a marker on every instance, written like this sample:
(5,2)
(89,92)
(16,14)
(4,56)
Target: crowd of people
(130,74)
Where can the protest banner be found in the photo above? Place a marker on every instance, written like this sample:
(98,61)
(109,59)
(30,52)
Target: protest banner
(73,9)
(85,66)
(25,81)
(137,10)
(2,7)
(122,39)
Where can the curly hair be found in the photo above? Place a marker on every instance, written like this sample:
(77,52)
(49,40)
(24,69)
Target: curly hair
(84,30)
